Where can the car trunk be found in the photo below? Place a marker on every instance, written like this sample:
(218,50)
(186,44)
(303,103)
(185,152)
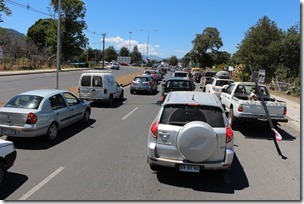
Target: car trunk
(13,117)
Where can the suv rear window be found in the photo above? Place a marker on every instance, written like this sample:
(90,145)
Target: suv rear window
(141,79)
(180,114)
(179,74)
(222,82)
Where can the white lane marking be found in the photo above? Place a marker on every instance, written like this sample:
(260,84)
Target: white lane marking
(129,113)
(42,183)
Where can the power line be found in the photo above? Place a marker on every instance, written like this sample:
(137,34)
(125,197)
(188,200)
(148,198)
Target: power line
(27,7)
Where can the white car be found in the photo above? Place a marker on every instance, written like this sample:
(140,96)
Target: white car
(191,133)
(215,85)
(42,113)
(7,157)
(99,86)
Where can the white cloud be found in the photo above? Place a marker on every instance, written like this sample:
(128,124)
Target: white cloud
(118,42)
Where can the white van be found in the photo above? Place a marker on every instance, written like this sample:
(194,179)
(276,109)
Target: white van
(99,86)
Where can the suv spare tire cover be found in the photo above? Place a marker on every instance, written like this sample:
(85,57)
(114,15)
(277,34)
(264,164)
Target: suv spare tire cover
(196,141)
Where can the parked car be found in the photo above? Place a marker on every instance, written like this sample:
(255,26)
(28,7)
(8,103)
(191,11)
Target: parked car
(191,133)
(99,86)
(8,156)
(42,112)
(115,66)
(123,64)
(143,83)
(206,76)
(176,84)
(216,84)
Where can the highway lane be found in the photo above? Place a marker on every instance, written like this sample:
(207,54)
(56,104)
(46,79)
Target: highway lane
(15,84)
(106,160)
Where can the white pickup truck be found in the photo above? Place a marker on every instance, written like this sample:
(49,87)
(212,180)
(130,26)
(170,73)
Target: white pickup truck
(236,101)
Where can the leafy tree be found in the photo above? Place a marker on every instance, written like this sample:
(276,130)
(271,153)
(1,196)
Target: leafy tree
(73,41)
(260,47)
(136,55)
(173,61)
(110,54)
(209,40)
(4,8)
(124,51)
(219,57)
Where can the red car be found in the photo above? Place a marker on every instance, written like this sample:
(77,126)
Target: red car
(123,63)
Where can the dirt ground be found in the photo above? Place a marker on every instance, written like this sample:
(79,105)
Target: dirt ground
(296,99)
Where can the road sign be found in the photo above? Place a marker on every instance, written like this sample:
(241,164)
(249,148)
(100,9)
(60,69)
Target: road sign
(261,77)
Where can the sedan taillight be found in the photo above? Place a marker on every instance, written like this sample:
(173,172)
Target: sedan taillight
(285,111)
(154,129)
(229,134)
(31,118)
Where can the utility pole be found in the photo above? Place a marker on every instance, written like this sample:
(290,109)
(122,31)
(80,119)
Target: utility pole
(103,48)
(58,45)
(130,44)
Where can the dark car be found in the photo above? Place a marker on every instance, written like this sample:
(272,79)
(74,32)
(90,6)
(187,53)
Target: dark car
(176,84)
(196,76)
(143,83)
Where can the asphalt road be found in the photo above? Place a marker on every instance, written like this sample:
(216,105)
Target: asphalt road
(106,160)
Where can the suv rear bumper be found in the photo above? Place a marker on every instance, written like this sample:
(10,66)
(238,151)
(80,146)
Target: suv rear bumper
(10,159)
(206,166)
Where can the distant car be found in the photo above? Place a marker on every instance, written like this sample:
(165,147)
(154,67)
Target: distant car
(42,113)
(196,76)
(216,84)
(191,133)
(143,83)
(206,76)
(7,157)
(176,84)
(152,73)
(182,74)
(115,66)
(123,64)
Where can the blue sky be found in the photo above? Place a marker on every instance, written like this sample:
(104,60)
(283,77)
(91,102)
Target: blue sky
(177,21)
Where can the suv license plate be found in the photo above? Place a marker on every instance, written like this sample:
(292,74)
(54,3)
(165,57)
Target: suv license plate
(189,168)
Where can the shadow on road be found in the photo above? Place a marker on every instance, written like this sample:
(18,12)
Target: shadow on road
(261,130)
(207,181)
(11,183)
(38,143)
(116,103)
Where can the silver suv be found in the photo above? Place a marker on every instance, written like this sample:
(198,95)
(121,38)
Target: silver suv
(191,133)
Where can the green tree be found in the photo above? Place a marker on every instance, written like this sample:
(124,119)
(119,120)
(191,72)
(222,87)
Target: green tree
(4,8)
(136,55)
(209,40)
(73,41)
(219,57)
(110,54)
(260,47)
(124,51)
(173,60)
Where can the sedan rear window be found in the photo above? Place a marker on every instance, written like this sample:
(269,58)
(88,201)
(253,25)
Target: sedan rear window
(24,102)
(179,114)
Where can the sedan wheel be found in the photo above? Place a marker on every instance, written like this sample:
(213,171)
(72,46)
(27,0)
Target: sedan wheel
(86,116)
(2,172)
(52,132)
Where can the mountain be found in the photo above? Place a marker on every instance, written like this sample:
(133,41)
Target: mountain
(14,32)
(153,57)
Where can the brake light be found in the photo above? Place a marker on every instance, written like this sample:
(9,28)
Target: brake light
(154,129)
(162,98)
(148,83)
(229,134)
(285,111)
(78,89)
(105,91)
(31,118)
(240,108)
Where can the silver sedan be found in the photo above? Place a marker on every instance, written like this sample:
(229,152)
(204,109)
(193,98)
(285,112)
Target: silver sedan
(42,112)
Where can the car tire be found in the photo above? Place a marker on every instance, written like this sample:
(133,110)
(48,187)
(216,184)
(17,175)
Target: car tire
(131,92)
(110,100)
(86,116)
(121,96)
(52,132)
(233,122)
(197,141)
(2,172)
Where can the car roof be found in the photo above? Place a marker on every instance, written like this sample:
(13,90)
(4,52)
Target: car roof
(177,79)
(43,92)
(143,76)
(196,97)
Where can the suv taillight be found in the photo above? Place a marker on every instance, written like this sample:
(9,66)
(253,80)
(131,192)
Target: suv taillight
(240,108)
(229,134)
(285,111)
(154,129)
(31,118)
